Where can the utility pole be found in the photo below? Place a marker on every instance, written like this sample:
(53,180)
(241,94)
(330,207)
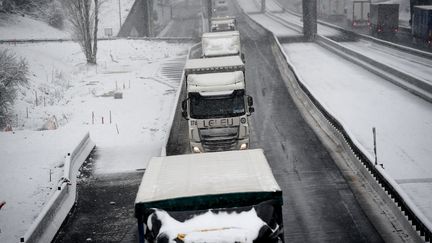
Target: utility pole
(309,19)
(209,13)
(120,20)
(148,10)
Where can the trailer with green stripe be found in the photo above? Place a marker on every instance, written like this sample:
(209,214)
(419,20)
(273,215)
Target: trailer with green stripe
(230,196)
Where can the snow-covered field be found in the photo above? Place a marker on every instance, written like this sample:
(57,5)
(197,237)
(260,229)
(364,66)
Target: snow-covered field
(71,91)
(26,27)
(31,166)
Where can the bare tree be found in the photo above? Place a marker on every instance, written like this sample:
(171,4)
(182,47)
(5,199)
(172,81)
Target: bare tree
(83,15)
(13,72)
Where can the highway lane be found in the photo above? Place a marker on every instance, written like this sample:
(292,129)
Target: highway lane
(318,203)
(186,20)
(319,206)
(105,208)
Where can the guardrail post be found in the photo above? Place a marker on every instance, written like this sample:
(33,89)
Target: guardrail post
(374,143)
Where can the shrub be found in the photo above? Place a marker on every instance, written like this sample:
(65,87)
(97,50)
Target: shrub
(55,15)
(13,72)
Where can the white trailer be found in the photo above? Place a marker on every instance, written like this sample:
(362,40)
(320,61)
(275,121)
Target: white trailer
(357,13)
(217,107)
(216,197)
(225,43)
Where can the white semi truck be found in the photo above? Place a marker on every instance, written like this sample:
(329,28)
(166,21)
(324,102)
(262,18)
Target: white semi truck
(216,44)
(217,107)
(215,197)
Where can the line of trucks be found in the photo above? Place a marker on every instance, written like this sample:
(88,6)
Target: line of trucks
(381,17)
(230,194)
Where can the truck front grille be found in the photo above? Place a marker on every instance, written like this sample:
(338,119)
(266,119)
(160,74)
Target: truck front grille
(219,139)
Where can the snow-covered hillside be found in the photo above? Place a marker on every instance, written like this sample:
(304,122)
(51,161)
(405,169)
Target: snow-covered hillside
(15,26)
(133,129)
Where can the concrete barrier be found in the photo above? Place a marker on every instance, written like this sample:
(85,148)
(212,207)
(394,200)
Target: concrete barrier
(49,220)
(177,105)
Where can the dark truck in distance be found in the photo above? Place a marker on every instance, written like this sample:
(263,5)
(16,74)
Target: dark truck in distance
(227,196)
(422,23)
(384,18)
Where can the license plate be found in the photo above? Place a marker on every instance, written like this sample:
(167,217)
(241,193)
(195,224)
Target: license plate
(223,122)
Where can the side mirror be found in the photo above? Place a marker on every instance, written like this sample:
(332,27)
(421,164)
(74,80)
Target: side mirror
(184,105)
(243,57)
(184,109)
(250,101)
(184,114)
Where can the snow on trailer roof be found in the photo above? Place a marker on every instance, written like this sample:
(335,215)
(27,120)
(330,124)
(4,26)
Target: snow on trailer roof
(233,63)
(215,82)
(220,34)
(222,18)
(194,175)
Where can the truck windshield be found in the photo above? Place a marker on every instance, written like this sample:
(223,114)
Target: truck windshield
(204,107)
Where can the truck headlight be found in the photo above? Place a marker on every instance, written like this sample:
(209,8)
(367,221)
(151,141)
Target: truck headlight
(243,146)
(196,150)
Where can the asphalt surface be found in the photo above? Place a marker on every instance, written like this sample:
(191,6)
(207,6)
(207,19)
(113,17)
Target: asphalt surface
(105,208)
(318,203)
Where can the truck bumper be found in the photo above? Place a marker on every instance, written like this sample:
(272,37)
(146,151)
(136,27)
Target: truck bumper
(197,147)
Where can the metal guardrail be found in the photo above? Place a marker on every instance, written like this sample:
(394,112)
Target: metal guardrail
(52,215)
(168,39)
(407,207)
(379,41)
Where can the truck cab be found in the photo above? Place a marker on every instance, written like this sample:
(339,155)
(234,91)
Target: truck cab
(384,18)
(217,107)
